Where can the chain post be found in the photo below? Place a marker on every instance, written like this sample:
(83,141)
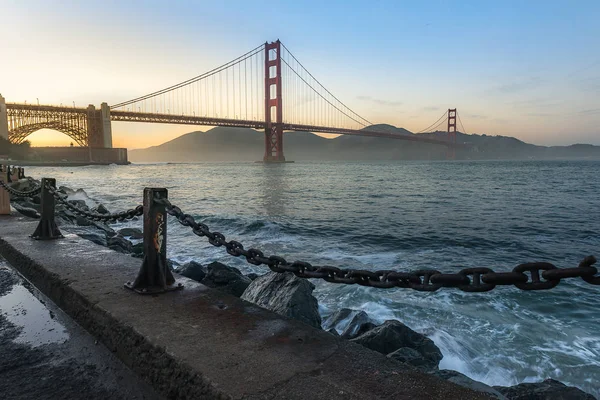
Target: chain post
(8,177)
(47,229)
(14,174)
(4,195)
(154,276)
(21,173)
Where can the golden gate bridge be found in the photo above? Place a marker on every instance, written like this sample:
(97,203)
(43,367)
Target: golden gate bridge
(266,88)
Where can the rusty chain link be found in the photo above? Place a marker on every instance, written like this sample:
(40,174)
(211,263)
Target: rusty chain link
(17,193)
(541,276)
(94,216)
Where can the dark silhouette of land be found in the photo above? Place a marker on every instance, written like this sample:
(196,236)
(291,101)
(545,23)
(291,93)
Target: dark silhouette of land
(243,144)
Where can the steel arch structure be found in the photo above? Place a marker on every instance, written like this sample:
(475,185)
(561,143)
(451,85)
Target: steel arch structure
(83,125)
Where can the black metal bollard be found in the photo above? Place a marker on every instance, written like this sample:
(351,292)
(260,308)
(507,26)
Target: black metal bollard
(154,276)
(21,173)
(8,174)
(47,229)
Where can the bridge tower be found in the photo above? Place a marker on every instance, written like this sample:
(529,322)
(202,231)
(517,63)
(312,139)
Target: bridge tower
(99,126)
(451,151)
(273,104)
(3,119)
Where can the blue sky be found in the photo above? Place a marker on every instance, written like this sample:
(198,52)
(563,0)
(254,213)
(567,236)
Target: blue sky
(528,69)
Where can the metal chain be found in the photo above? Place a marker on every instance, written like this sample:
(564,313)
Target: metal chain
(542,275)
(17,193)
(94,216)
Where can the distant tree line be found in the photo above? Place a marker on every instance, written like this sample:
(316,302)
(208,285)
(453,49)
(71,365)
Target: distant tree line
(19,151)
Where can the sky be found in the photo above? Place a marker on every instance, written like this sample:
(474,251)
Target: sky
(528,69)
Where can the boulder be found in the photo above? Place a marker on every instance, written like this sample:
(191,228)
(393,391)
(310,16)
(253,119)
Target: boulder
(546,390)
(104,227)
(367,326)
(79,204)
(134,233)
(24,185)
(225,278)
(82,221)
(94,237)
(27,204)
(26,211)
(101,209)
(347,321)
(393,335)
(193,270)
(463,380)
(118,241)
(285,294)
(412,357)
(252,276)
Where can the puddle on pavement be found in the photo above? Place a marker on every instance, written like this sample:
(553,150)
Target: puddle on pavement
(23,309)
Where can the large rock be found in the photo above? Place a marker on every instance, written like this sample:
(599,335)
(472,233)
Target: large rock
(346,321)
(134,233)
(463,380)
(412,357)
(26,204)
(95,238)
(24,185)
(285,294)
(546,390)
(119,244)
(225,278)
(81,204)
(193,270)
(101,209)
(26,211)
(393,335)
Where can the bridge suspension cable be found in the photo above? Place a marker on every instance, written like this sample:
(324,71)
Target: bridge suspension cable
(307,102)
(437,124)
(462,127)
(233,90)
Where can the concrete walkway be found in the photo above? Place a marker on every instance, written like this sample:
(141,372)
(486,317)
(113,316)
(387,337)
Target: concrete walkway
(45,355)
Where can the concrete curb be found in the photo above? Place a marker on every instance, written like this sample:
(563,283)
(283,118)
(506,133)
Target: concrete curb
(201,343)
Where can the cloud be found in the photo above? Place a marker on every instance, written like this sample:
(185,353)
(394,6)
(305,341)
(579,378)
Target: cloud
(380,102)
(517,86)
(591,111)
(430,108)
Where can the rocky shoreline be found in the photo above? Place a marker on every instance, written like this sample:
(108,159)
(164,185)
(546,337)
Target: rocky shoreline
(292,297)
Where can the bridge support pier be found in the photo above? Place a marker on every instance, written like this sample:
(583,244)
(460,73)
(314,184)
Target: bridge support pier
(99,126)
(3,119)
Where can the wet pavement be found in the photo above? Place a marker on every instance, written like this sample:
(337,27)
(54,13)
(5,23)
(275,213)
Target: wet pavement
(45,355)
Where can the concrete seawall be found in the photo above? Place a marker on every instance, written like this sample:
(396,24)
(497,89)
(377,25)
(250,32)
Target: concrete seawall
(201,343)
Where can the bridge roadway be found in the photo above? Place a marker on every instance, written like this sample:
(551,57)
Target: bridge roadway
(48,112)
(202,343)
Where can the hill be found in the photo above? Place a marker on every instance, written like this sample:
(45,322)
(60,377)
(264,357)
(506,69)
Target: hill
(244,144)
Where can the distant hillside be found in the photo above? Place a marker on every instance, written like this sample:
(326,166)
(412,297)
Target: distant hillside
(243,144)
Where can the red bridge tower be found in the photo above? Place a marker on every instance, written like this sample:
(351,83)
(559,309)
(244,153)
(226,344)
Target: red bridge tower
(451,151)
(273,104)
